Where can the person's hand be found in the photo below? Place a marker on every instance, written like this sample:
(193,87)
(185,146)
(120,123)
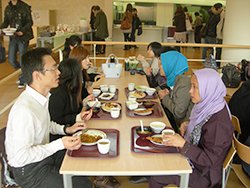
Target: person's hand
(99,77)
(78,126)
(162,93)
(90,97)
(140,57)
(71,142)
(90,89)
(148,71)
(19,33)
(175,140)
(183,127)
(86,115)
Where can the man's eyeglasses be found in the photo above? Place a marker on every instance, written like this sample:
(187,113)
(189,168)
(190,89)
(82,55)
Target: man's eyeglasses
(54,68)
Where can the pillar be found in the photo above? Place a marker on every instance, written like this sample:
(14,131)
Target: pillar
(236,29)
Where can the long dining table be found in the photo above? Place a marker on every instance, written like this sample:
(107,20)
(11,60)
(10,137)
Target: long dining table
(127,163)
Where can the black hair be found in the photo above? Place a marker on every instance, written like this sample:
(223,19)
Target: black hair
(73,40)
(71,77)
(156,48)
(185,9)
(129,7)
(167,49)
(33,61)
(196,14)
(96,8)
(217,6)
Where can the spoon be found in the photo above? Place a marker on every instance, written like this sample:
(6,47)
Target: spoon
(142,129)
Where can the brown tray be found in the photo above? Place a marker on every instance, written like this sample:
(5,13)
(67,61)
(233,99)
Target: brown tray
(154,96)
(142,145)
(103,115)
(157,112)
(115,98)
(91,151)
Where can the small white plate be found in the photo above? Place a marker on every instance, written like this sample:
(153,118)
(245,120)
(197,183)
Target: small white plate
(9,31)
(156,143)
(92,133)
(142,111)
(106,96)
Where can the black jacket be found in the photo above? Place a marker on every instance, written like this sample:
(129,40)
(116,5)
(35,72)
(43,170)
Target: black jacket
(240,107)
(211,25)
(62,110)
(19,16)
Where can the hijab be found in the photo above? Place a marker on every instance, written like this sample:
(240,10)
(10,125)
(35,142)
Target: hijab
(174,64)
(212,92)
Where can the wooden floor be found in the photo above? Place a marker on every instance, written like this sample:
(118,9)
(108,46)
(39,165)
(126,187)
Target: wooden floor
(9,92)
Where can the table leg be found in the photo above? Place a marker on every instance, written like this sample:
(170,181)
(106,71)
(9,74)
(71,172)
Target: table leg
(184,180)
(67,181)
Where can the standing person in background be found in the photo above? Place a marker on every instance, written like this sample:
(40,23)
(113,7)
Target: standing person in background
(136,23)
(101,26)
(17,15)
(179,19)
(92,22)
(126,32)
(210,34)
(70,43)
(219,32)
(197,27)
(189,21)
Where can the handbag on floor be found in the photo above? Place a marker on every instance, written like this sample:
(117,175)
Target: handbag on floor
(2,54)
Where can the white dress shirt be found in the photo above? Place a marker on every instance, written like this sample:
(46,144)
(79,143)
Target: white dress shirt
(28,128)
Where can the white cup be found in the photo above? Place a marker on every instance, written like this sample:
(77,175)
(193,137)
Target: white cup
(103,145)
(131,86)
(167,132)
(115,112)
(132,98)
(104,88)
(112,88)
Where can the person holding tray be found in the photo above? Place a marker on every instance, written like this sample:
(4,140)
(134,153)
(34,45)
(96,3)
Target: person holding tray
(208,135)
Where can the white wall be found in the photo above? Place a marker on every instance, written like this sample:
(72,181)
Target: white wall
(164,14)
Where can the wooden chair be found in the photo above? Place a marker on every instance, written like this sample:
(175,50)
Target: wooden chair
(226,165)
(227,98)
(228,160)
(236,124)
(243,152)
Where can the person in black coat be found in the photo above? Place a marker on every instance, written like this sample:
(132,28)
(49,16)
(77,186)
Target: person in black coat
(65,104)
(240,107)
(69,44)
(136,23)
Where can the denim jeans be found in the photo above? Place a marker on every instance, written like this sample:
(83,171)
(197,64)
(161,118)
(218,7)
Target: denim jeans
(208,40)
(16,45)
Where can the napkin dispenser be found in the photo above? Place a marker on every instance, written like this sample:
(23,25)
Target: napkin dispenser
(112,68)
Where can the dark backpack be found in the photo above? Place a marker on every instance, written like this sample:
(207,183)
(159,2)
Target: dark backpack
(231,76)
(245,70)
